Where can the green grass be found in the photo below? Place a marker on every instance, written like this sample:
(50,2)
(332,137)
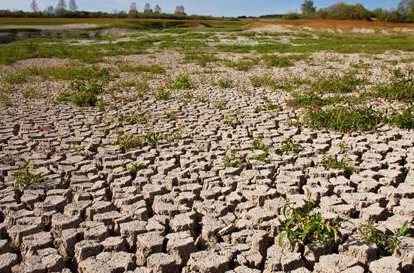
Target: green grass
(220,104)
(25,176)
(403,119)
(134,118)
(267,106)
(201,59)
(152,69)
(181,82)
(233,120)
(282,61)
(288,146)
(128,142)
(162,95)
(262,81)
(225,83)
(231,160)
(331,162)
(170,115)
(400,88)
(241,65)
(337,84)
(344,119)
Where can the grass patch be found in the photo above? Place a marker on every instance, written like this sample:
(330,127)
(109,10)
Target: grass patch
(134,118)
(282,61)
(225,83)
(181,82)
(152,69)
(233,120)
(337,84)
(26,176)
(344,119)
(288,146)
(220,104)
(162,95)
(201,59)
(241,65)
(400,88)
(231,160)
(403,119)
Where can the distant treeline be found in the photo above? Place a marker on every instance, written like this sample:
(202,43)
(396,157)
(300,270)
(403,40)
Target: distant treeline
(404,12)
(89,14)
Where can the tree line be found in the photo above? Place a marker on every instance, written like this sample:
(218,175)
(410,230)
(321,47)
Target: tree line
(404,12)
(71,11)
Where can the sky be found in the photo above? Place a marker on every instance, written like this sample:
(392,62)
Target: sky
(209,7)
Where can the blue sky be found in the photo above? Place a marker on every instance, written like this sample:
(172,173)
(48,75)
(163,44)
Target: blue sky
(209,7)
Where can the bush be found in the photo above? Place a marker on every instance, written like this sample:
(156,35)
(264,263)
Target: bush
(343,119)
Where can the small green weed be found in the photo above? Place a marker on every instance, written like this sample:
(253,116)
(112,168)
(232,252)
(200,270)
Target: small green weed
(225,83)
(400,88)
(162,95)
(331,162)
(337,84)
(288,146)
(231,160)
(233,120)
(220,104)
(181,82)
(301,226)
(25,176)
(134,118)
(386,243)
(403,119)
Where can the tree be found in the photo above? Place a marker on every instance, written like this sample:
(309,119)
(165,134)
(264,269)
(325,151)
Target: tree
(34,6)
(179,10)
(72,5)
(133,9)
(61,6)
(308,7)
(147,8)
(50,10)
(157,9)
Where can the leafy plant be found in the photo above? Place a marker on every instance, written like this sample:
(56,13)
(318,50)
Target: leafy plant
(152,68)
(258,144)
(386,243)
(182,82)
(233,120)
(301,226)
(288,146)
(133,168)
(188,97)
(268,106)
(232,160)
(332,162)
(26,176)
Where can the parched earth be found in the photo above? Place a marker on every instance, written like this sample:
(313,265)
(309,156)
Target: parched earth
(181,209)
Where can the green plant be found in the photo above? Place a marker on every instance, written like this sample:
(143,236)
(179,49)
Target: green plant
(233,120)
(5,99)
(141,89)
(152,68)
(170,115)
(337,84)
(301,226)
(343,118)
(220,104)
(231,160)
(281,61)
(25,176)
(400,88)
(200,98)
(225,83)
(127,142)
(133,168)
(187,97)
(403,119)
(343,148)
(181,82)
(134,118)
(268,106)
(288,146)
(100,104)
(262,81)
(200,58)
(332,162)
(386,243)
(241,65)
(258,144)
(152,138)
(162,95)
